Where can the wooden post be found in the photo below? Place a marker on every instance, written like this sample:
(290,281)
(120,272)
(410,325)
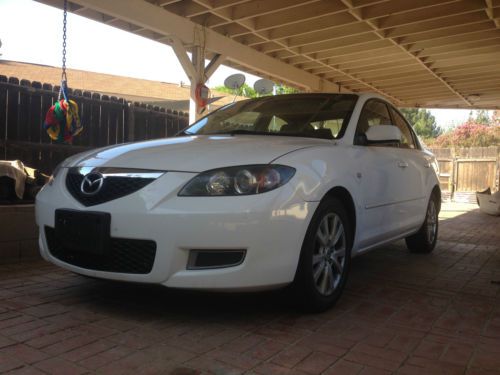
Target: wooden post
(196,71)
(497,172)
(453,177)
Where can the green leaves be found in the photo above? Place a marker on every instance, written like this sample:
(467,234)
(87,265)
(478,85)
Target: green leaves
(422,121)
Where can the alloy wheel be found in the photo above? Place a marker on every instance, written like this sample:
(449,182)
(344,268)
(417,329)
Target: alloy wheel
(329,254)
(431,221)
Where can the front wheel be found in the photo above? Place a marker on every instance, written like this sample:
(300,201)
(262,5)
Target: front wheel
(325,257)
(425,239)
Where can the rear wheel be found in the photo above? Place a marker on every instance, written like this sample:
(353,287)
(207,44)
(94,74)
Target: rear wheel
(425,239)
(325,257)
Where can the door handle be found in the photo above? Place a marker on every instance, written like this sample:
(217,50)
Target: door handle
(402,164)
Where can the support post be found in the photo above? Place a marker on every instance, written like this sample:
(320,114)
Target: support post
(198,62)
(196,71)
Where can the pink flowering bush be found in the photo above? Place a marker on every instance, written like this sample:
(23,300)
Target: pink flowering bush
(470,134)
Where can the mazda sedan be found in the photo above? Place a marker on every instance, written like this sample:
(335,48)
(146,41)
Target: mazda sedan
(262,193)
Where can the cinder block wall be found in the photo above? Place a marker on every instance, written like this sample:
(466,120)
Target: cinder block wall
(18,233)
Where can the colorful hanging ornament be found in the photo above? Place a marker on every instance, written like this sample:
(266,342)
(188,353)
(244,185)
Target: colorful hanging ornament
(62,122)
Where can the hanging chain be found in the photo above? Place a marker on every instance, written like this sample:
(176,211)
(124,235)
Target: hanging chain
(63,74)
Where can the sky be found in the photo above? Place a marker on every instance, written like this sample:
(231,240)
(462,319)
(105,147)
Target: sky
(32,32)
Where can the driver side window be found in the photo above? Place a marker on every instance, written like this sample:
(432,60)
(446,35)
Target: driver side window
(406,138)
(373,113)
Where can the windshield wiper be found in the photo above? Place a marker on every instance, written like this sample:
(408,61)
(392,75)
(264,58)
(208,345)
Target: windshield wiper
(183,132)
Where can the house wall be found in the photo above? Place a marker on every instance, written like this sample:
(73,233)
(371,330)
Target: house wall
(18,233)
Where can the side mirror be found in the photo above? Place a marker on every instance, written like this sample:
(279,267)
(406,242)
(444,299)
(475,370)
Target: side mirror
(383,134)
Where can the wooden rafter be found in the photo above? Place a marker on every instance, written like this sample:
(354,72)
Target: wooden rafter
(415,52)
(349,4)
(371,87)
(493,13)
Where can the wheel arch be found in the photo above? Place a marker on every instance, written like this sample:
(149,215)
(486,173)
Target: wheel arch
(436,190)
(346,199)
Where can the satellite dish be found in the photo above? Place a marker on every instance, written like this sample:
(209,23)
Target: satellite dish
(234,81)
(263,86)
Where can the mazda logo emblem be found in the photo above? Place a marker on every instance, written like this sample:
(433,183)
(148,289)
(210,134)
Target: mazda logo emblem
(92,183)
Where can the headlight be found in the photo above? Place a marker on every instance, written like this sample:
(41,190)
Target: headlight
(243,180)
(54,174)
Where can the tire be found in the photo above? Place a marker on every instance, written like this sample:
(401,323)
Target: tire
(425,239)
(325,258)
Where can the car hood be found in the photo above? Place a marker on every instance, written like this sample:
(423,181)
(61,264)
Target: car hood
(194,153)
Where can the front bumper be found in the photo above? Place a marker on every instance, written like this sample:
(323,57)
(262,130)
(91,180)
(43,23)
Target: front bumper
(269,226)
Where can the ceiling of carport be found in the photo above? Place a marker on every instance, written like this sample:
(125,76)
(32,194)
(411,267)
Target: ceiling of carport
(429,53)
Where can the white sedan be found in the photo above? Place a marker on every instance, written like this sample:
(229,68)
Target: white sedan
(263,193)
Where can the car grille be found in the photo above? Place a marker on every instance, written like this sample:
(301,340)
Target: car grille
(113,187)
(124,255)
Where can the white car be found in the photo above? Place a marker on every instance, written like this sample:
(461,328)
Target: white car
(263,193)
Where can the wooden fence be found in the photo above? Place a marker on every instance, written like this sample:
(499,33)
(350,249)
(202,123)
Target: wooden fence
(110,120)
(106,120)
(463,171)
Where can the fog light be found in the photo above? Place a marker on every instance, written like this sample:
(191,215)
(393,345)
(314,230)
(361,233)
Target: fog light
(206,259)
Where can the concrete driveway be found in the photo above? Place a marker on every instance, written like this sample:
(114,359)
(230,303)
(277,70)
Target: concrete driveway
(401,313)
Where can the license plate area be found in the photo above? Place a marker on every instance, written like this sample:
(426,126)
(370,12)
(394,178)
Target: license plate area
(83,231)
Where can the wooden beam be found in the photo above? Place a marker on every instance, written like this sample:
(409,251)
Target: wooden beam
(440,11)
(184,60)
(341,51)
(465,60)
(493,13)
(163,22)
(469,68)
(475,53)
(440,24)
(306,26)
(367,15)
(467,47)
(450,41)
(212,66)
(283,44)
(396,7)
(476,77)
(451,31)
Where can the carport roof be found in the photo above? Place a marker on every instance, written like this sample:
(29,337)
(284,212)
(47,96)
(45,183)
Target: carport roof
(429,53)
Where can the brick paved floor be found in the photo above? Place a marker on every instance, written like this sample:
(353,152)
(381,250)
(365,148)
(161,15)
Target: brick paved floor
(401,313)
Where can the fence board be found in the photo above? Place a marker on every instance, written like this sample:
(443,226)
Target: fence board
(103,139)
(141,122)
(36,115)
(121,121)
(3,113)
(85,105)
(23,126)
(77,97)
(105,120)
(95,116)
(112,123)
(463,171)
(13,118)
(49,97)
(475,174)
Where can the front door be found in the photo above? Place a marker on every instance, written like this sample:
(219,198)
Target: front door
(379,175)
(415,171)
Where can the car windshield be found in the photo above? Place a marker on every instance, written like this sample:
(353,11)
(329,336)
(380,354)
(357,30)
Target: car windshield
(303,115)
